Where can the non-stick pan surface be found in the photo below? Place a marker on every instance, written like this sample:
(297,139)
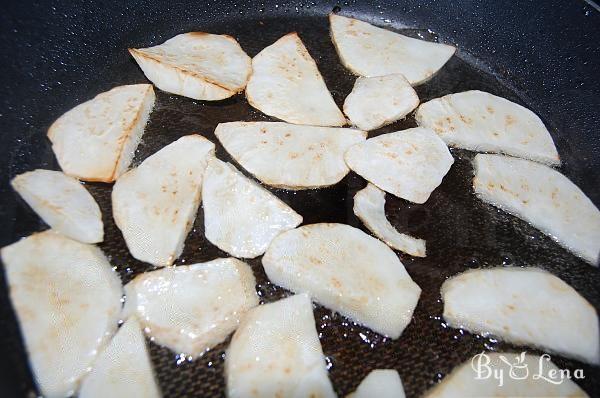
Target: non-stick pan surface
(61,55)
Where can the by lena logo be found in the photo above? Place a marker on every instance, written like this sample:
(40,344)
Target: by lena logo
(520,368)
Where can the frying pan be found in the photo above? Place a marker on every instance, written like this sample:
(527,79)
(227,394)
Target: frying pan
(542,54)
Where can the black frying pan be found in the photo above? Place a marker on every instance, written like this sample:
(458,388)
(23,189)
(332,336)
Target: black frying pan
(544,55)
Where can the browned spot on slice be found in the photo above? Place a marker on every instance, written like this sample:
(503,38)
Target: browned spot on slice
(51,206)
(198,34)
(559,286)
(502,187)
(509,120)
(490,110)
(59,301)
(336,283)
(466,120)
(315,260)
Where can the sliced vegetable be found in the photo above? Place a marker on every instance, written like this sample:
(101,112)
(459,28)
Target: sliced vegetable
(523,306)
(67,299)
(369,206)
(62,202)
(409,164)
(306,156)
(96,140)
(347,271)
(377,101)
(240,216)
(198,65)
(483,122)
(371,51)
(543,197)
(155,204)
(276,353)
(192,308)
(286,84)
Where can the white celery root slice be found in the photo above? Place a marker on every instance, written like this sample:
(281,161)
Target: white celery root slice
(123,369)
(483,122)
(286,84)
(155,204)
(62,202)
(543,197)
(523,306)
(192,308)
(96,140)
(306,156)
(276,353)
(346,270)
(369,207)
(381,383)
(523,375)
(409,163)
(241,217)
(67,299)
(371,51)
(198,65)
(377,101)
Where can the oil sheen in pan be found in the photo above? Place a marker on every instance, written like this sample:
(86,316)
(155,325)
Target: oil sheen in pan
(461,232)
